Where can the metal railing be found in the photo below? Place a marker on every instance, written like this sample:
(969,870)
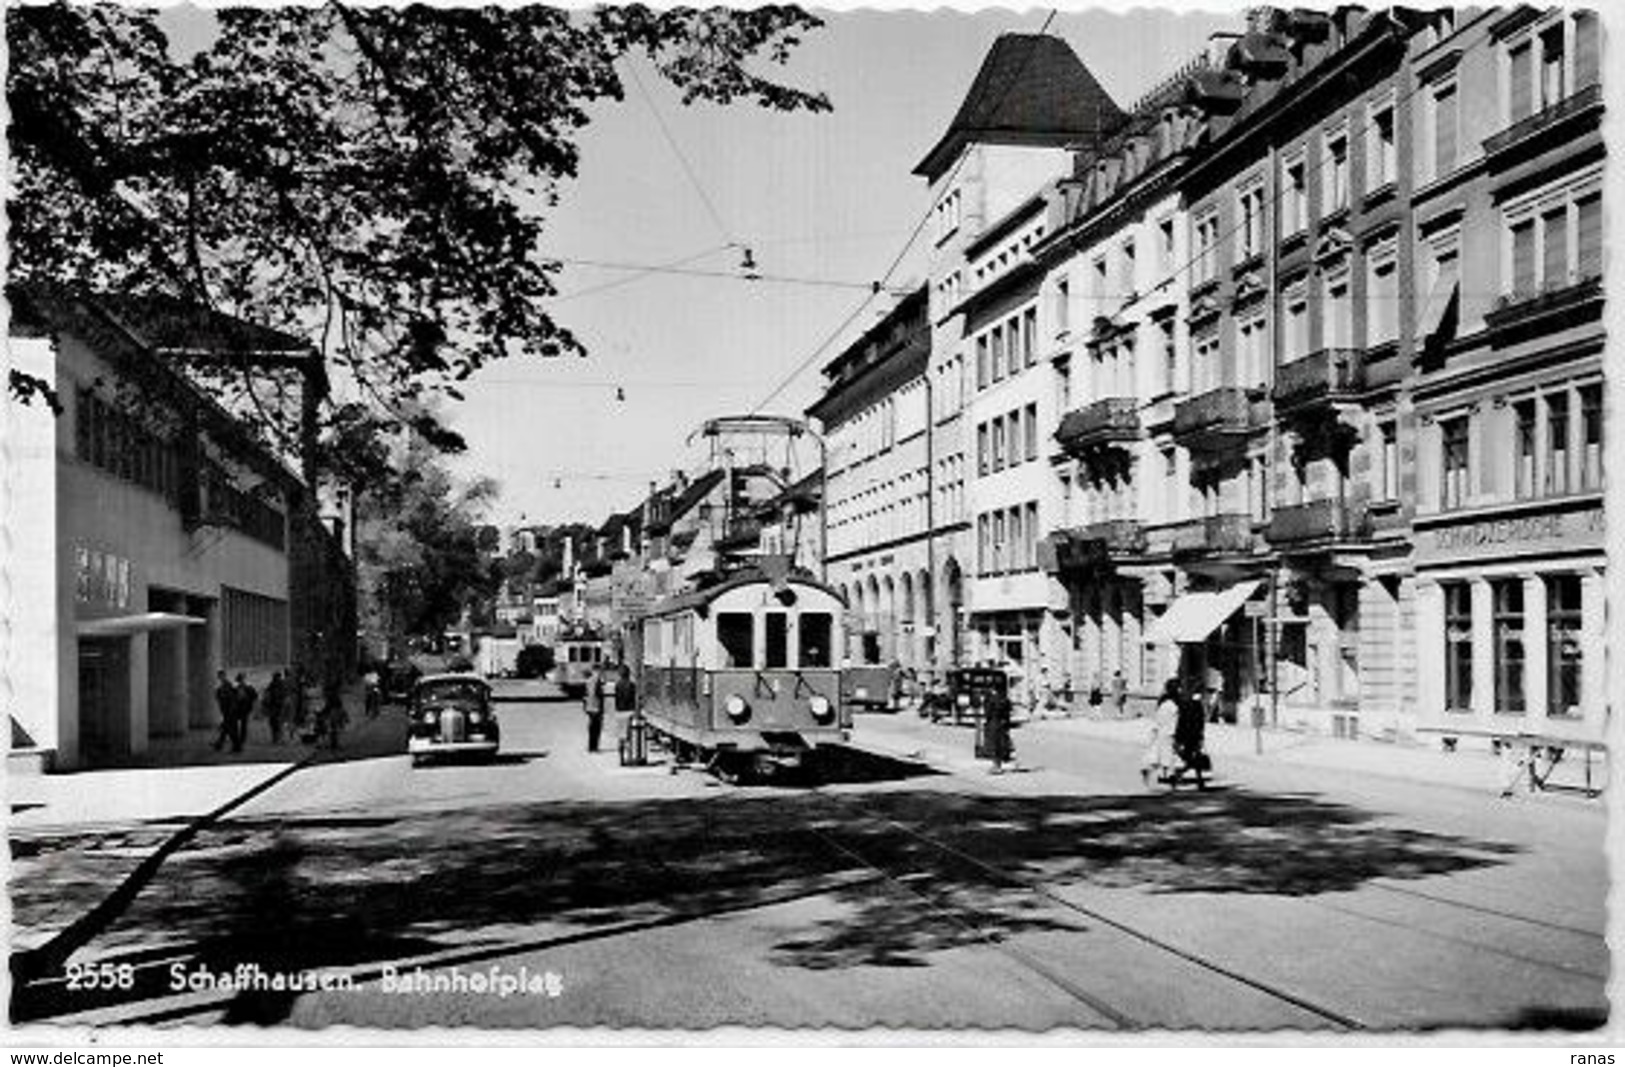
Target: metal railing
(1528,126)
(1325,375)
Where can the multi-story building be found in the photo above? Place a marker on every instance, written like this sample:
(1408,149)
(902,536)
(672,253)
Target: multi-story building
(1311,341)
(1119,361)
(1508,385)
(159,539)
(1032,104)
(874,415)
(1009,594)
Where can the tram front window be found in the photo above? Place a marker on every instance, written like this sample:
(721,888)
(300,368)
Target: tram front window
(777,652)
(736,635)
(815,644)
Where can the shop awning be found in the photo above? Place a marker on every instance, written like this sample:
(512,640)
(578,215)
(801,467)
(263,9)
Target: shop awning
(146,622)
(1192,616)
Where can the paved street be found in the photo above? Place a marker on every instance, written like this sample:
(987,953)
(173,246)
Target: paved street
(892,895)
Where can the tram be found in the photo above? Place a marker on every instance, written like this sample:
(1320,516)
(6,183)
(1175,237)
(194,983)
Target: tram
(744,676)
(576,654)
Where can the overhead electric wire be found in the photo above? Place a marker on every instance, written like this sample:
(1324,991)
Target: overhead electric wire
(643,272)
(688,169)
(914,234)
(689,272)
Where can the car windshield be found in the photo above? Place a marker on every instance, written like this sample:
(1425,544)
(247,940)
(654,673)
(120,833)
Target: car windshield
(451,692)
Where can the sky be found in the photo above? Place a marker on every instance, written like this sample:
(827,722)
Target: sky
(825,196)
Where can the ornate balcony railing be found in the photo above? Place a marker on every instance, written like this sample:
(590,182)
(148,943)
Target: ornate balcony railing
(1094,545)
(1536,303)
(1327,375)
(1216,413)
(1213,535)
(1115,418)
(1544,119)
(1116,537)
(1318,521)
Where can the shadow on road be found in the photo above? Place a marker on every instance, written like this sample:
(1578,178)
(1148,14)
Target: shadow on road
(299,893)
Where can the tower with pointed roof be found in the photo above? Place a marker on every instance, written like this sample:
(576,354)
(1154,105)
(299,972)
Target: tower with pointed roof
(1031,107)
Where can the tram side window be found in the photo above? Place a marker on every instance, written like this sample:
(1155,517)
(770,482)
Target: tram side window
(736,634)
(815,639)
(777,638)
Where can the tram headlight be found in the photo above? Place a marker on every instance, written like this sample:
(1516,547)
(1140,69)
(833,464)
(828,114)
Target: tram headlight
(738,711)
(821,709)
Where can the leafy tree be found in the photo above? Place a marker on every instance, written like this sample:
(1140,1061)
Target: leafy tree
(419,563)
(375,178)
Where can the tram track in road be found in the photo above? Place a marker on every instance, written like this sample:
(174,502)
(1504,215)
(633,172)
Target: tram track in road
(1332,1017)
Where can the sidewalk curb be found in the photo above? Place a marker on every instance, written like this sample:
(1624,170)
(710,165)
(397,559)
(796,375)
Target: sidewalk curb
(43,959)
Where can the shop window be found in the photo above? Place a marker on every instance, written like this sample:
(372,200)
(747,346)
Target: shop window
(1458,646)
(1563,622)
(1507,634)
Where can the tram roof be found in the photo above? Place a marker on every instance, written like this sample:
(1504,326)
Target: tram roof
(701,597)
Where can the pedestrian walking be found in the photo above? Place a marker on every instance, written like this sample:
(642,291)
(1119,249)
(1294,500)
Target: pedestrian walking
(225,701)
(998,709)
(1159,749)
(1120,693)
(593,705)
(333,718)
(374,698)
(626,690)
(298,699)
(1189,741)
(247,697)
(276,700)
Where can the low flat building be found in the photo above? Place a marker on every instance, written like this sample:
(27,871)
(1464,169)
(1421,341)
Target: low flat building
(153,536)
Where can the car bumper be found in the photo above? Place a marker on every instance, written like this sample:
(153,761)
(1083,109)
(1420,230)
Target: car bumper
(423,746)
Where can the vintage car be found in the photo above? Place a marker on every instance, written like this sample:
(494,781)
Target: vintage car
(451,714)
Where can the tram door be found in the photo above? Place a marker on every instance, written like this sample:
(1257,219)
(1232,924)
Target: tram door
(104,698)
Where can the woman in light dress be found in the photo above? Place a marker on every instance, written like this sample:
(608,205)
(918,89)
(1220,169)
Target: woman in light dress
(1159,749)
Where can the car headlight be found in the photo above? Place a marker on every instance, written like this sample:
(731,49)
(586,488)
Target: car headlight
(820,707)
(474,718)
(432,716)
(736,708)
(964,700)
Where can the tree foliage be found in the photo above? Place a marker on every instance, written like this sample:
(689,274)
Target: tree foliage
(376,178)
(419,562)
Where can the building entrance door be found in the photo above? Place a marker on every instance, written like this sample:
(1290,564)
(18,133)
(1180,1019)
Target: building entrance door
(104,698)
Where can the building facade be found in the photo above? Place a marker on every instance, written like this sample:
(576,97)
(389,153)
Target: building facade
(120,626)
(1288,382)
(873,413)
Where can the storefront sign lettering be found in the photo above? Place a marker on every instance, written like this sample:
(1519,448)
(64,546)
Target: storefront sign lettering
(101,578)
(1500,531)
(1517,530)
